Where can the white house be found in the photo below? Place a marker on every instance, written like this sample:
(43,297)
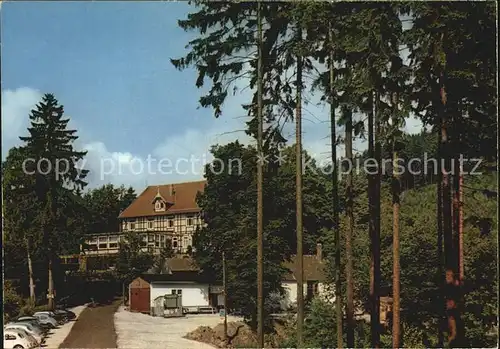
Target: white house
(314,279)
(181,278)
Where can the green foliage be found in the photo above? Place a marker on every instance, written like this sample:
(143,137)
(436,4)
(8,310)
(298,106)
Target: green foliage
(160,261)
(57,180)
(105,205)
(228,204)
(320,325)
(12,301)
(131,260)
(457,40)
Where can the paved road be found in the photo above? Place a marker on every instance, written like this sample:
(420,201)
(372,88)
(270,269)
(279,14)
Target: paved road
(94,329)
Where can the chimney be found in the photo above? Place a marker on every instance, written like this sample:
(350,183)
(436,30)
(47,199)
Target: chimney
(319,251)
(172,191)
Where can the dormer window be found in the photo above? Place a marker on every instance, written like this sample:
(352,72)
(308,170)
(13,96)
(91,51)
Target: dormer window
(159,202)
(159,205)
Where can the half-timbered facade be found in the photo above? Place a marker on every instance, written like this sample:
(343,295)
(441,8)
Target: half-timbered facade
(160,213)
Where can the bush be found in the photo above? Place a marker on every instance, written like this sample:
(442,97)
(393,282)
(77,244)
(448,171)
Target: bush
(12,301)
(27,310)
(320,325)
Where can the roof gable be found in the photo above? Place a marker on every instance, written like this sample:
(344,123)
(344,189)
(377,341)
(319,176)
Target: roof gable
(179,198)
(313,269)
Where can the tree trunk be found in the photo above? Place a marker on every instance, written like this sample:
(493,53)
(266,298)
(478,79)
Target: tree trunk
(51,302)
(461,225)
(396,335)
(335,198)
(446,194)
(30,275)
(350,227)
(376,198)
(300,252)
(224,275)
(373,233)
(457,203)
(260,164)
(440,269)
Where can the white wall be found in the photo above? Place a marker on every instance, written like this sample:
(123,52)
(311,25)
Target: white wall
(192,294)
(290,288)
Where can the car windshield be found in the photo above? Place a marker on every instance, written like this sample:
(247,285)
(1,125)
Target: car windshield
(20,335)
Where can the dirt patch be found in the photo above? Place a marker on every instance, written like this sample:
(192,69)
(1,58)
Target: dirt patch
(94,328)
(239,335)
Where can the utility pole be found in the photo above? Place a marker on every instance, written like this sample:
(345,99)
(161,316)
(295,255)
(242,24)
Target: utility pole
(225,295)
(260,165)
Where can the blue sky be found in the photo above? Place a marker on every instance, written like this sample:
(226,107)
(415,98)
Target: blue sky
(108,64)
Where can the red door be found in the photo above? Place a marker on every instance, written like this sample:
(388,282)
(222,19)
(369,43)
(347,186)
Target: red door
(140,300)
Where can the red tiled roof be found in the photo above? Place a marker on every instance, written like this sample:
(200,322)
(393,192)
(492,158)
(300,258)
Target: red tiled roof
(183,199)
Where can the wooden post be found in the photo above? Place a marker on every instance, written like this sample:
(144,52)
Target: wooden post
(225,295)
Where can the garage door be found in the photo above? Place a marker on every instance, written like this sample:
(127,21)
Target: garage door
(139,300)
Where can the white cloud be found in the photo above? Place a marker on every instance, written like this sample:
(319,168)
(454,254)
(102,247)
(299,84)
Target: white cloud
(16,106)
(177,158)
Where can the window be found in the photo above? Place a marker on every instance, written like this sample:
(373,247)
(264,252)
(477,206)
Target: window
(190,221)
(159,206)
(103,242)
(10,337)
(162,238)
(157,243)
(150,223)
(157,237)
(113,245)
(132,225)
(178,291)
(151,238)
(170,223)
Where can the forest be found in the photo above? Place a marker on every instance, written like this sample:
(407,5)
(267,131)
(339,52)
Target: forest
(412,235)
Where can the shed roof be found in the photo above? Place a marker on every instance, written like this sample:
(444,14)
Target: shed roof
(313,269)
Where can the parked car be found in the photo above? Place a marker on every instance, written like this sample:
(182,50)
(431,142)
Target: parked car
(66,313)
(58,318)
(18,339)
(37,328)
(46,319)
(34,322)
(34,331)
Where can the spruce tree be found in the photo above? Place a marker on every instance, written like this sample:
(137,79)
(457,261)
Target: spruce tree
(57,176)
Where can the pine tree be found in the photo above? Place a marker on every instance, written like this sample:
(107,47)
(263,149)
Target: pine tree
(57,175)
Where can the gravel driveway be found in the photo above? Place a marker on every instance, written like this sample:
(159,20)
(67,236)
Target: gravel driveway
(137,330)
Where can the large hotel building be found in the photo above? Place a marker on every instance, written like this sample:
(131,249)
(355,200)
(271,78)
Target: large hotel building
(160,213)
